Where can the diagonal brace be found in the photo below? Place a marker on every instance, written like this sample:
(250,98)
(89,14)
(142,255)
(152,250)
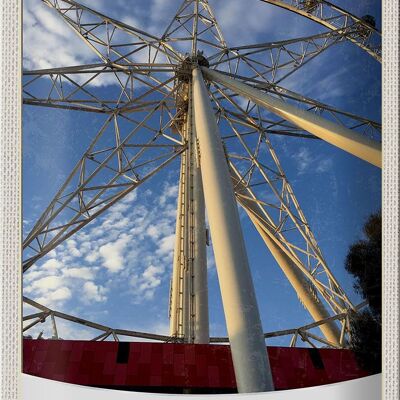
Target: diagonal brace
(340,136)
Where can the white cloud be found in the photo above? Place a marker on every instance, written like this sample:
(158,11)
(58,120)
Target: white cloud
(112,253)
(33,273)
(50,291)
(92,257)
(139,249)
(145,284)
(52,264)
(170,191)
(153,231)
(48,42)
(47,283)
(166,245)
(93,292)
(151,273)
(238,23)
(62,293)
(142,258)
(71,243)
(80,273)
(210,258)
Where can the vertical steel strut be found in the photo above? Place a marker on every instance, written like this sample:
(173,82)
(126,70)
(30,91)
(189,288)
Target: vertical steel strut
(200,318)
(250,360)
(189,289)
(177,288)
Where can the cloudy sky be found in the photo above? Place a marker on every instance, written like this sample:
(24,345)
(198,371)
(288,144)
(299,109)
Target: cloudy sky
(116,271)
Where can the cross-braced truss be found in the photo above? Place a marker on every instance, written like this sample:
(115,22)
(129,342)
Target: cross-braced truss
(333,17)
(145,111)
(44,315)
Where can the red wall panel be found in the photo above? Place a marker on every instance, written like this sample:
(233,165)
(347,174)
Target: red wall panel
(183,366)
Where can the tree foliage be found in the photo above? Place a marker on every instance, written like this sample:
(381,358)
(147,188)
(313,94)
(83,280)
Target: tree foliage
(364,262)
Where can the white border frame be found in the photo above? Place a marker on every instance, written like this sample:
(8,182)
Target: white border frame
(390,203)
(10,199)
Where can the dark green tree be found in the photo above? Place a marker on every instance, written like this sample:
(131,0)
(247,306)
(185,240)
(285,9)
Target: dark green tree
(364,262)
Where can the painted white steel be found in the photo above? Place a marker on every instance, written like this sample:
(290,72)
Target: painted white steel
(200,284)
(310,301)
(189,290)
(296,278)
(338,135)
(251,364)
(175,311)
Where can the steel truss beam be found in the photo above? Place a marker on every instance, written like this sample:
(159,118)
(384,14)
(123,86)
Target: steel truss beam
(45,312)
(138,87)
(81,87)
(108,332)
(195,25)
(253,158)
(113,41)
(334,18)
(274,62)
(365,126)
(119,159)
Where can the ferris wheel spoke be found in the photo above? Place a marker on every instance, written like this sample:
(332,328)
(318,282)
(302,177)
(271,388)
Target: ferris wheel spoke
(267,195)
(111,40)
(53,233)
(276,213)
(82,87)
(257,123)
(333,17)
(273,62)
(125,153)
(367,149)
(261,182)
(156,109)
(195,23)
(366,127)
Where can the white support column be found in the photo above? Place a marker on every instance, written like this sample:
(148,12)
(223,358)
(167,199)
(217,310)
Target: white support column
(296,278)
(311,302)
(201,330)
(200,283)
(338,135)
(250,360)
(300,285)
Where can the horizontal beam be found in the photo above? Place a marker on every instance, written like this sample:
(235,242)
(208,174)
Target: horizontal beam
(45,312)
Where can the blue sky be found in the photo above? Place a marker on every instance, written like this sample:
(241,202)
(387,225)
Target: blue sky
(116,271)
